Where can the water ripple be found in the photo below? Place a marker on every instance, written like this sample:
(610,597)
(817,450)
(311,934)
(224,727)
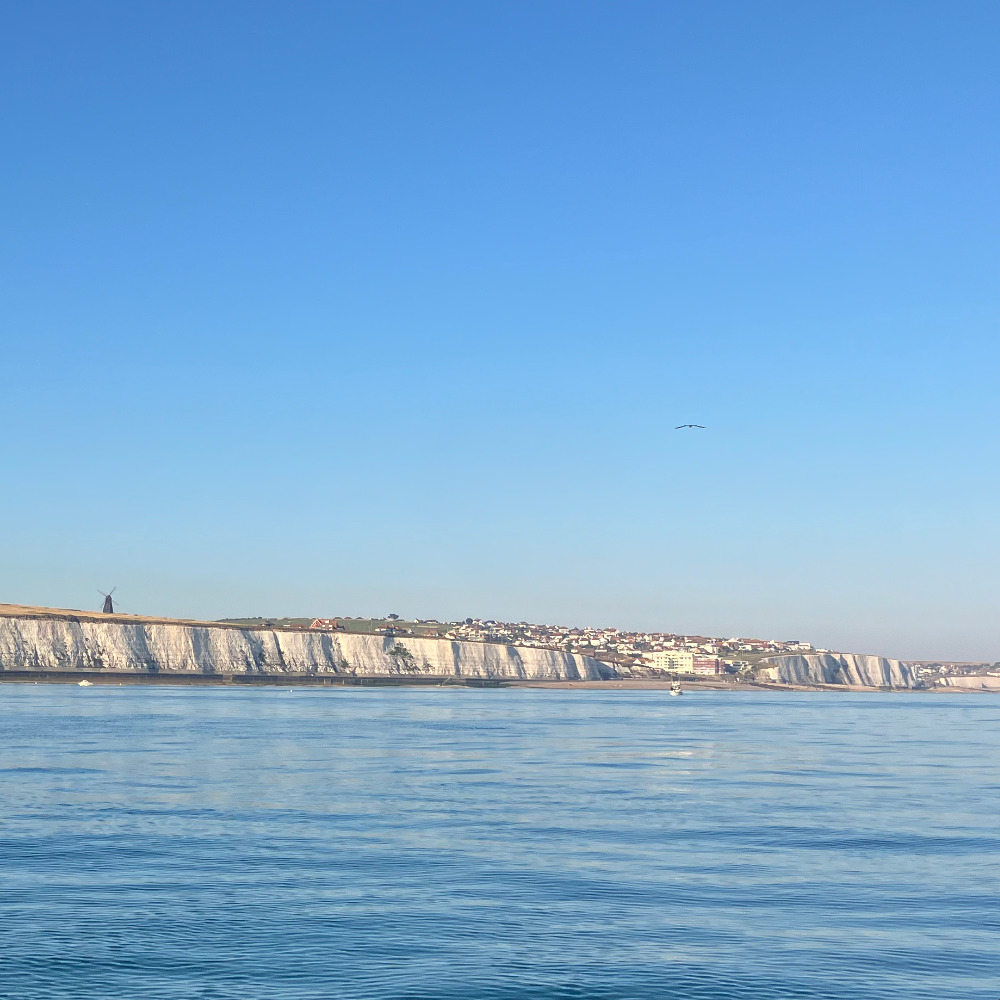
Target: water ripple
(169,844)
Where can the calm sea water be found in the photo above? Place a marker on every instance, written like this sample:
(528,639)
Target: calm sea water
(273,845)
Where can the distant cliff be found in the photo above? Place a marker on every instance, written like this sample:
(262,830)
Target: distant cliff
(854,669)
(67,641)
(971,682)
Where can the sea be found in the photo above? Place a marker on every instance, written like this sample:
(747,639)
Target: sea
(174,843)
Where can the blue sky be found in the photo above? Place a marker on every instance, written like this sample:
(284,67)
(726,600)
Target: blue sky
(349,308)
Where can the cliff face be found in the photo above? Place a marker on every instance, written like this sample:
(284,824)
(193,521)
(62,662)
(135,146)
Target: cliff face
(38,643)
(855,669)
(971,682)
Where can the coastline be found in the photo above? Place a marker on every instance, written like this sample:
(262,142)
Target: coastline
(62,646)
(120,678)
(652,684)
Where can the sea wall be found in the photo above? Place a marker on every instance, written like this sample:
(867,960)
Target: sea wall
(853,669)
(58,644)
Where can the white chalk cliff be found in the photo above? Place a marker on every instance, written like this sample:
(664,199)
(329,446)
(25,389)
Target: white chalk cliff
(64,643)
(854,669)
(971,682)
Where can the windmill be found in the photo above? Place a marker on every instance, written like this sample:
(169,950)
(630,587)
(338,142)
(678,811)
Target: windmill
(109,605)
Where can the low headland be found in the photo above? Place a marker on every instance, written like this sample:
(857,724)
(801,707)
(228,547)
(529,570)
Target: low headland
(61,645)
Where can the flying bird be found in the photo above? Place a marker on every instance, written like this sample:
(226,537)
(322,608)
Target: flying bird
(681,427)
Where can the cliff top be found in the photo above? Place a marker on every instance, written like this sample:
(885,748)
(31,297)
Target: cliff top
(69,614)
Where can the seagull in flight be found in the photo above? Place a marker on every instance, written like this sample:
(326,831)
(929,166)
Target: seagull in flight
(681,427)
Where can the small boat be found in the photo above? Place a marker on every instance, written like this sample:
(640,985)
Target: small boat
(675,689)
(84,684)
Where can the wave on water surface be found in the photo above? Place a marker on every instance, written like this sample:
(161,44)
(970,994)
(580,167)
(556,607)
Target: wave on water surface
(167,844)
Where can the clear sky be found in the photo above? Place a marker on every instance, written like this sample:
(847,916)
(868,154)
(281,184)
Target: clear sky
(349,308)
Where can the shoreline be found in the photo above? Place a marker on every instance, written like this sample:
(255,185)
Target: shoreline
(53,645)
(652,684)
(111,678)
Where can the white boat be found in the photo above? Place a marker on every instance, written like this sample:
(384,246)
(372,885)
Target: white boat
(675,689)
(84,683)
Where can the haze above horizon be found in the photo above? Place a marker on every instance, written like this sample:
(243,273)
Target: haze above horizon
(341,308)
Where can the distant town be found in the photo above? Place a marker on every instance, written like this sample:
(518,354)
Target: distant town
(693,654)
(631,653)
(627,651)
